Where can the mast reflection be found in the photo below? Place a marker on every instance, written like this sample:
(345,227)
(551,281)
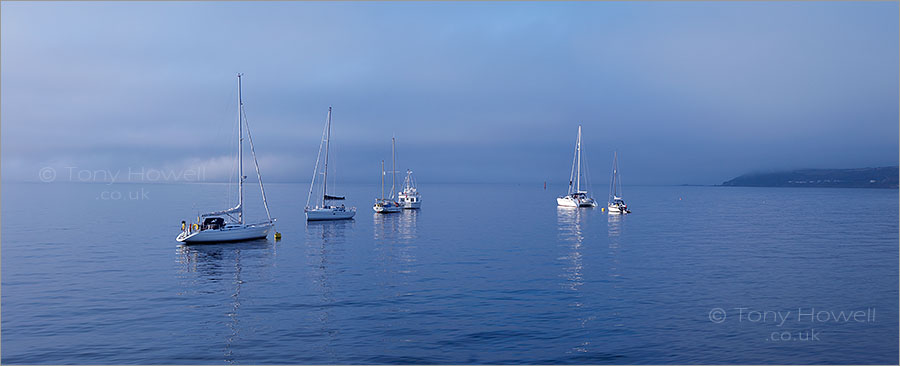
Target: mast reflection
(395,246)
(325,252)
(570,222)
(204,266)
(615,229)
(570,225)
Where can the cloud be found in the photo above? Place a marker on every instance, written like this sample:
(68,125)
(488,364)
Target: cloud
(687,92)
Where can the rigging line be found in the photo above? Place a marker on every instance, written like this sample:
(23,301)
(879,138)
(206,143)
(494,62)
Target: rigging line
(332,157)
(612,180)
(619,180)
(219,137)
(393,166)
(312,182)
(587,173)
(256,163)
(397,165)
(233,146)
(572,174)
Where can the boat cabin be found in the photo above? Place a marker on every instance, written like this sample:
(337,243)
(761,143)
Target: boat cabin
(213,223)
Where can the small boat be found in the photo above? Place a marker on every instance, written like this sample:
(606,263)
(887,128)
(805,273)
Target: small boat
(410,197)
(576,197)
(228,225)
(388,205)
(616,204)
(322,208)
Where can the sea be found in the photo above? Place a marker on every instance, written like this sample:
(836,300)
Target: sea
(481,274)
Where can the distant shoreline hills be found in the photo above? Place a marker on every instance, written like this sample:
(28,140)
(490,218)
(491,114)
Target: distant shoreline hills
(883,177)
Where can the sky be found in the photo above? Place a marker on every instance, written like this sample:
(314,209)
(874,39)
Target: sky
(686,92)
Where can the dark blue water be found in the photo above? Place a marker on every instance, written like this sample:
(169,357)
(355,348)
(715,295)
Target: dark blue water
(482,274)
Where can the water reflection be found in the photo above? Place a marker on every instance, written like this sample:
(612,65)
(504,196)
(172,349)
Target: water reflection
(204,267)
(395,267)
(326,241)
(385,226)
(395,241)
(571,233)
(615,227)
(615,224)
(570,222)
(407,227)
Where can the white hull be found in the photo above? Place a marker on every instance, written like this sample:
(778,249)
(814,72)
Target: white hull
(616,210)
(231,233)
(572,202)
(387,209)
(410,201)
(322,214)
(412,205)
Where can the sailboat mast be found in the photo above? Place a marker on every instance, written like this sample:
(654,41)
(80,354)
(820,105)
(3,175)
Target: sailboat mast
(240,155)
(327,143)
(382,180)
(578,174)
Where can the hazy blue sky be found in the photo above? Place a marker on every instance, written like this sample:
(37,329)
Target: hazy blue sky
(692,92)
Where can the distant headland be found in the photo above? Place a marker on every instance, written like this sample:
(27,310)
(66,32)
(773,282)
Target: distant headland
(883,177)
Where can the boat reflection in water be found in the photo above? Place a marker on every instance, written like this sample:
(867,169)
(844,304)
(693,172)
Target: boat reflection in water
(326,248)
(615,226)
(203,270)
(571,224)
(395,238)
(395,276)
(407,226)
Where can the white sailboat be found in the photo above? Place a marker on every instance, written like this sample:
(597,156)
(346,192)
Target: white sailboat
(322,209)
(228,225)
(576,197)
(388,205)
(616,205)
(410,197)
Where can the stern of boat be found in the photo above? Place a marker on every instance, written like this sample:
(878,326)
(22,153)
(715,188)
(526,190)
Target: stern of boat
(565,202)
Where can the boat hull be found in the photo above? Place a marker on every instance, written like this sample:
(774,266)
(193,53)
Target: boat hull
(410,200)
(616,210)
(571,202)
(412,205)
(386,209)
(247,232)
(329,214)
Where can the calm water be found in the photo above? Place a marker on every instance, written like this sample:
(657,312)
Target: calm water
(482,274)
